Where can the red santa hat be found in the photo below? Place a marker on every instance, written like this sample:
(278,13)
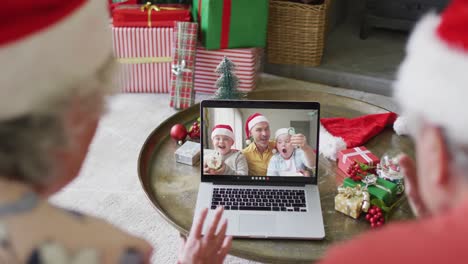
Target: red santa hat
(252,120)
(432,81)
(223,130)
(341,133)
(47,46)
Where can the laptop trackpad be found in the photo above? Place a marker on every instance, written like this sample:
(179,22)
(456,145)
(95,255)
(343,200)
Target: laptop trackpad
(257,224)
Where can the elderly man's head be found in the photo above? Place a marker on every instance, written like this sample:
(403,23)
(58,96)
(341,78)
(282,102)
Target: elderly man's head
(257,127)
(56,69)
(432,87)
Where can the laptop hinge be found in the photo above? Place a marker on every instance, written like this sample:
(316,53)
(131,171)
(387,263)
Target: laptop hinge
(294,184)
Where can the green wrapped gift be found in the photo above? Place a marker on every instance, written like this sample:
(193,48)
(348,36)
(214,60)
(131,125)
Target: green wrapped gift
(231,23)
(383,189)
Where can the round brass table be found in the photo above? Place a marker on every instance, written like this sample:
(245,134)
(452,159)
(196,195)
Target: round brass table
(172,187)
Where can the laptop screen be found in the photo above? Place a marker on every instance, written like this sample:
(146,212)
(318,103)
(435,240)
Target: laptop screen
(259,141)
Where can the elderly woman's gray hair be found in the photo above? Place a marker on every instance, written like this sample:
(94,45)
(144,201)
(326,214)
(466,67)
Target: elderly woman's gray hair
(28,141)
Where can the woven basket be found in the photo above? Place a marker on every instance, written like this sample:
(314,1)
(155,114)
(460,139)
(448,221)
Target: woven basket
(296,32)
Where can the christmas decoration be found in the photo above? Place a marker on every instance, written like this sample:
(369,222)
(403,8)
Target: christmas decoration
(185,39)
(188,153)
(247,61)
(442,107)
(389,169)
(375,216)
(68,38)
(149,15)
(357,171)
(251,121)
(360,158)
(183,2)
(214,161)
(145,62)
(231,24)
(341,133)
(194,131)
(179,133)
(227,82)
(377,187)
(352,201)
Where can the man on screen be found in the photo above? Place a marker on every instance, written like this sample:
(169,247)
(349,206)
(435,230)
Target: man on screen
(260,148)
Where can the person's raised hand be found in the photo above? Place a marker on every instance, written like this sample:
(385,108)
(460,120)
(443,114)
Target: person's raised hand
(408,168)
(210,248)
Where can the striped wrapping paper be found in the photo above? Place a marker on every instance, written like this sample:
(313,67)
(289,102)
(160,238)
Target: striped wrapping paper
(145,55)
(247,63)
(185,43)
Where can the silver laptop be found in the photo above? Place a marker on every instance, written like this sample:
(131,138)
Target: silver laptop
(264,200)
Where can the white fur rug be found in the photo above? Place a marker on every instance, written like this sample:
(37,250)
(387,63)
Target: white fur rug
(108,186)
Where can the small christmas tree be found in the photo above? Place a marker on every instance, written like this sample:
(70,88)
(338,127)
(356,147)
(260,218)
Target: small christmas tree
(228,81)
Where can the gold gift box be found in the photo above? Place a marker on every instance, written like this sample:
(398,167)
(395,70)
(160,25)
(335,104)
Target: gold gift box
(351,206)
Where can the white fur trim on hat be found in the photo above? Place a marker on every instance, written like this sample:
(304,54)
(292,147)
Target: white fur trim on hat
(256,120)
(222,132)
(281,131)
(433,80)
(48,62)
(329,145)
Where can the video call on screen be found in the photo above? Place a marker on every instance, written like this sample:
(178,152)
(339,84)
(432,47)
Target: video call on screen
(230,149)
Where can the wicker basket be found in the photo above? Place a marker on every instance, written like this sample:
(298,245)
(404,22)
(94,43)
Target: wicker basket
(296,32)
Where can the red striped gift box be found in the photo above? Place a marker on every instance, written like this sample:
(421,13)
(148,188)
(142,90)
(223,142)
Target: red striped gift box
(247,63)
(145,55)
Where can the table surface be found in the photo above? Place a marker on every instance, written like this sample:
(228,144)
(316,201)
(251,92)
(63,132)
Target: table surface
(172,187)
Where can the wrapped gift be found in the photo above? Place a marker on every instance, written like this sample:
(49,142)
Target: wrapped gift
(352,201)
(185,2)
(145,55)
(185,40)
(361,155)
(188,153)
(231,23)
(380,188)
(149,15)
(247,70)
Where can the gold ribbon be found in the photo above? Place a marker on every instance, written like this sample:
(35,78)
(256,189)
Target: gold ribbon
(144,60)
(149,7)
(349,192)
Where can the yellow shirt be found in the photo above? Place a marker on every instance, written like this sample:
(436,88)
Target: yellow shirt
(258,162)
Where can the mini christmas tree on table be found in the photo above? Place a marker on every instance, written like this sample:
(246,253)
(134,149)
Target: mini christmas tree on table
(228,81)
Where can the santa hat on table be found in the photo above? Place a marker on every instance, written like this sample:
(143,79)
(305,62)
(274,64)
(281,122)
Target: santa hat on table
(222,130)
(432,81)
(48,46)
(341,133)
(251,121)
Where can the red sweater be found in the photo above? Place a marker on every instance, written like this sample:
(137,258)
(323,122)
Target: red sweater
(439,239)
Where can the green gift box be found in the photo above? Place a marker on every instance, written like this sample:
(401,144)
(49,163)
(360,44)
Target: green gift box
(231,23)
(383,190)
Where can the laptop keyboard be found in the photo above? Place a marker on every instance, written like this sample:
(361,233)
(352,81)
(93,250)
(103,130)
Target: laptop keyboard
(259,199)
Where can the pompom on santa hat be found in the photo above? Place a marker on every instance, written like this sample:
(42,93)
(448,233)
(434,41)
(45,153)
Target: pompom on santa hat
(251,121)
(222,130)
(48,46)
(432,81)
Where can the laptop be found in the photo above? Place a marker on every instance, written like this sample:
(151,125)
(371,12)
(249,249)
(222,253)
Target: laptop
(266,200)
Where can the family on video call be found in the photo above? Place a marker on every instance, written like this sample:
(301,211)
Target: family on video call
(273,147)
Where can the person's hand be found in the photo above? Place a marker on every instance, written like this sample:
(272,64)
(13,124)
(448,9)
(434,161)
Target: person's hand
(304,172)
(411,186)
(211,248)
(299,140)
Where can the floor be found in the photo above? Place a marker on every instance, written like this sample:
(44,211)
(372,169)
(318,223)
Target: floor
(350,62)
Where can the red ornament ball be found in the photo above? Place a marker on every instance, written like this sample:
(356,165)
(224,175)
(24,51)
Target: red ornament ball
(178,132)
